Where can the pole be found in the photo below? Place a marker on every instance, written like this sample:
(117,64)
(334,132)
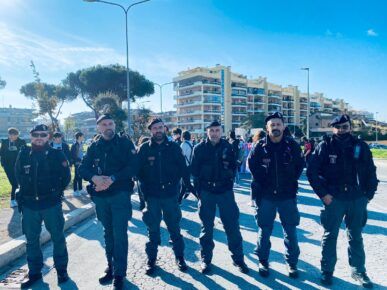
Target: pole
(127,51)
(127,73)
(376,127)
(308,111)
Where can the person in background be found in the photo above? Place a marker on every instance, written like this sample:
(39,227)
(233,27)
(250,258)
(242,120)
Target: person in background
(76,153)
(59,144)
(176,135)
(10,148)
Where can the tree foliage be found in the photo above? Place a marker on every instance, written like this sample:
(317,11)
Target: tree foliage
(49,98)
(140,122)
(92,81)
(108,103)
(254,121)
(3,83)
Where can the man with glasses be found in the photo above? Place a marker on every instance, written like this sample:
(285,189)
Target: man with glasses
(10,148)
(42,173)
(343,175)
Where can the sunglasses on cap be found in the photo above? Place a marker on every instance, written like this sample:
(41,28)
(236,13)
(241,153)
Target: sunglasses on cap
(37,135)
(344,127)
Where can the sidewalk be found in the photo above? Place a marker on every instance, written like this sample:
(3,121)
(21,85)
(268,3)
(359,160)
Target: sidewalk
(10,219)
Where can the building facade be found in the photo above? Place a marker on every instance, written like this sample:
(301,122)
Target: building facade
(207,94)
(22,119)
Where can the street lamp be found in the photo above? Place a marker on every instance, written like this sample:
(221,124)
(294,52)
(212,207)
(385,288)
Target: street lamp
(127,49)
(161,93)
(376,127)
(308,106)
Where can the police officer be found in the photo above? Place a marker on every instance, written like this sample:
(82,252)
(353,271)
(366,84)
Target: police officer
(343,175)
(42,173)
(213,167)
(59,144)
(276,164)
(10,148)
(109,165)
(161,167)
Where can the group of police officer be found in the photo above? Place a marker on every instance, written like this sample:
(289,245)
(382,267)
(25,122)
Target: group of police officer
(341,172)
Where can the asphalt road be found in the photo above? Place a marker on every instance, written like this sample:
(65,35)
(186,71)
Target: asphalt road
(87,261)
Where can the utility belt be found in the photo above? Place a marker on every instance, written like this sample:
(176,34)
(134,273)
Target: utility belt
(215,185)
(51,195)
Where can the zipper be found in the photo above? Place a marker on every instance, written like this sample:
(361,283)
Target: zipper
(160,166)
(36,180)
(104,164)
(276,172)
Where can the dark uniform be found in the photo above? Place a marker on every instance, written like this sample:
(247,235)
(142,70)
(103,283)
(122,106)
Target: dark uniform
(276,168)
(213,170)
(42,174)
(115,158)
(8,153)
(161,167)
(343,167)
(76,153)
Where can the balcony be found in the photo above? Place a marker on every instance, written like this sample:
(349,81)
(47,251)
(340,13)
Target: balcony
(187,104)
(191,84)
(211,111)
(189,95)
(211,92)
(187,113)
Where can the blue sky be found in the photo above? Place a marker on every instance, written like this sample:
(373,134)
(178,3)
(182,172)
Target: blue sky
(343,42)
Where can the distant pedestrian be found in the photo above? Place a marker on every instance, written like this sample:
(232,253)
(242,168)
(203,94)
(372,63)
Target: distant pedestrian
(10,148)
(76,153)
(59,144)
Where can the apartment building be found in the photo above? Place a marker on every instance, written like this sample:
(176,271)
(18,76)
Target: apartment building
(22,119)
(205,94)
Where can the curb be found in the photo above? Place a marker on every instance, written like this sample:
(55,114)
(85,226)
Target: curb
(16,248)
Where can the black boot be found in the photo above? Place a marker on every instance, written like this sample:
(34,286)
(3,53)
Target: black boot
(181,264)
(242,267)
(205,267)
(150,267)
(30,281)
(326,278)
(263,268)
(118,283)
(292,270)
(63,276)
(107,277)
(363,279)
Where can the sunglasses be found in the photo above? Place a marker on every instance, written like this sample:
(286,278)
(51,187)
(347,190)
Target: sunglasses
(41,135)
(344,127)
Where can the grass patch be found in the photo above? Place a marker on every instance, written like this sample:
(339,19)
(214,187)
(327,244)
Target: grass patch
(379,153)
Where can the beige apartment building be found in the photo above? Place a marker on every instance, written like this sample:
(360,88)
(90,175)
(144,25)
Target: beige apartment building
(206,94)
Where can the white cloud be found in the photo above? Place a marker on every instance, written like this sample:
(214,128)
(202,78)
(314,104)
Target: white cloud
(19,47)
(330,33)
(372,33)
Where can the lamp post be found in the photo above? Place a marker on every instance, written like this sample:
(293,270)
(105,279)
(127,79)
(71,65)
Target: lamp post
(161,93)
(127,49)
(308,105)
(376,127)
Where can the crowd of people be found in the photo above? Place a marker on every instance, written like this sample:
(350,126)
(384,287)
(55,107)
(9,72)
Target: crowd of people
(166,169)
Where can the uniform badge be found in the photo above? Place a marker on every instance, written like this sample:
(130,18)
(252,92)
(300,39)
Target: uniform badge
(27,169)
(332,159)
(266,161)
(151,160)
